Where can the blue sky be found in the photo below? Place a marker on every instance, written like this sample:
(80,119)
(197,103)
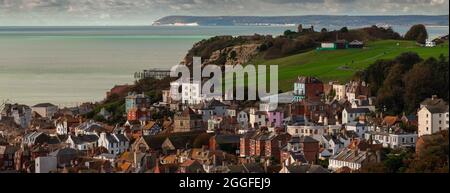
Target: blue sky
(143,12)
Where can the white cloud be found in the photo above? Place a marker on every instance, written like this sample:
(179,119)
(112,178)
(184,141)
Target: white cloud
(145,11)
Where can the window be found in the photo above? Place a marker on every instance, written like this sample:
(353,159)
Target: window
(412,140)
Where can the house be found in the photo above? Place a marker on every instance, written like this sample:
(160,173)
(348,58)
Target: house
(352,158)
(355,89)
(432,116)
(45,109)
(136,114)
(35,138)
(274,144)
(359,127)
(65,124)
(229,143)
(188,92)
(243,120)
(45,164)
(334,143)
(327,46)
(151,128)
(363,103)
(213,108)
(187,121)
(257,118)
(303,168)
(356,44)
(114,143)
(303,149)
(191,166)
(353,114)
(312,130)
(341,44)
(21,114)
(245,168)
(339,91)
(89,128)
(430,44)
(7,157)
(310,88)
(82,142)
(148,143)
(64,156)
(137,101)
(275,118)
(390,138)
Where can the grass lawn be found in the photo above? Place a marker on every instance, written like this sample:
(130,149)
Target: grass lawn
(342,64)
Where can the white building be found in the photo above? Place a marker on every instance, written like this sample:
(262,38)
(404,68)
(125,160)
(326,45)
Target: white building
(187,92)
(351,158)
(352,114)
(115,143)
(82,142)
(45,109)
(257,118)
(314,131)
(45,164)
(432,116)
(339,91)
(392,140)
(358,127)
(430,44)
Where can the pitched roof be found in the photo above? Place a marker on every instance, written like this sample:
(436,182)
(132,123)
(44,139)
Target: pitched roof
(45,105)
(215,103)
(306,168)
(357,110)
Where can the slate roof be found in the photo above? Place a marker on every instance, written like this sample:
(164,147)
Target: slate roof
(45,105)
(350,155)
(357,110)
(306,168)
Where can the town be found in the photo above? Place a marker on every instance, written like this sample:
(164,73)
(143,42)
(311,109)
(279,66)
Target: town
(318,127)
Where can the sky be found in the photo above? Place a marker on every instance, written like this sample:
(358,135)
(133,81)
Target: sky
(144,12)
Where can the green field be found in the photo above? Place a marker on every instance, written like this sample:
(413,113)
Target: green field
(342,64)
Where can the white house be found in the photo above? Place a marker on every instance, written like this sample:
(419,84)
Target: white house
(45,109)
(392,140)
(82,142)
(213,108)
(352,114)
(314,131)
(187,92)
(339,91)
(257,118)
(114,143)
(430,44)
(358,127)
(351,158)
(432,116)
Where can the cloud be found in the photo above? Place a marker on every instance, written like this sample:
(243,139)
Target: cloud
(145,11)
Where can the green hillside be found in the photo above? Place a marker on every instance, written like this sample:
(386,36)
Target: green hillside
(342,64)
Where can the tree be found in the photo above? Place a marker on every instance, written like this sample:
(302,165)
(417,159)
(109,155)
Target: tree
(417,33)
(344,30)
(324,30)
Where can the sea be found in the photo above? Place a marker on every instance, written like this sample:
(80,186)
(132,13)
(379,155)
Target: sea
(71,65)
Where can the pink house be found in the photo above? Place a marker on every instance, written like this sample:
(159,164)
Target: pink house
(275,118)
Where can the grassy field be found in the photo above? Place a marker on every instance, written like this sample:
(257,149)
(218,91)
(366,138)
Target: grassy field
(342,64)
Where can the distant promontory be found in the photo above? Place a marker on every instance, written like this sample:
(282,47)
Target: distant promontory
(325,20)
